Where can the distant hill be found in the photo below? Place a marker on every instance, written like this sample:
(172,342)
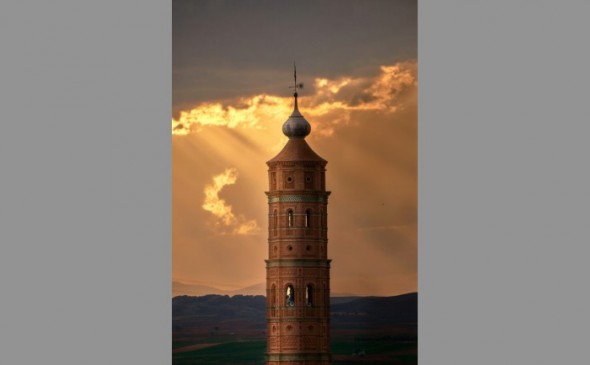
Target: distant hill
(385,310)
(180,288)
(220,306)
(246,314)
(256,289)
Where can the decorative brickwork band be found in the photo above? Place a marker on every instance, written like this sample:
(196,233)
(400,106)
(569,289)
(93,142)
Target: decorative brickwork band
(298,199)
(297,263)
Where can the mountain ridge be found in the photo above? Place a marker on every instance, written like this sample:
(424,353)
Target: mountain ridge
(180,288)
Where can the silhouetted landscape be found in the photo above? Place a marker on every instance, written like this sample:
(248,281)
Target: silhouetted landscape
(219,329)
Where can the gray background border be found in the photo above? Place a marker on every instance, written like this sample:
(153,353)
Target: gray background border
(503,182)
(85,258)
(85,99)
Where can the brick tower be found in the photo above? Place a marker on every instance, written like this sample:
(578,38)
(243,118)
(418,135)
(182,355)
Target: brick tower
(297,269)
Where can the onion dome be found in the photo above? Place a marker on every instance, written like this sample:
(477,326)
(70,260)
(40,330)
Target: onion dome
(296,126)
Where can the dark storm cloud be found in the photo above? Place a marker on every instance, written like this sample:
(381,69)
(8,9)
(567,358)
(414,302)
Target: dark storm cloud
(224,49)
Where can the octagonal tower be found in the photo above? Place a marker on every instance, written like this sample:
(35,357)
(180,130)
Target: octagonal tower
(297,269)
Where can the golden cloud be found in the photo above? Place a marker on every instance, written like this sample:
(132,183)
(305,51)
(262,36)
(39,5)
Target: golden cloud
(330,105)
(248,112)
(220,209)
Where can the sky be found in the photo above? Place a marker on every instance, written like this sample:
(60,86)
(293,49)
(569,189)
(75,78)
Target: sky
(232,68)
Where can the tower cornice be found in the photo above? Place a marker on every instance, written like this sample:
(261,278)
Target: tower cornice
(281,197)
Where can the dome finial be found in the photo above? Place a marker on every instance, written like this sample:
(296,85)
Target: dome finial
(296,126)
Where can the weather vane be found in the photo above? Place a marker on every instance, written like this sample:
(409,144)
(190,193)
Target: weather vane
(296,85)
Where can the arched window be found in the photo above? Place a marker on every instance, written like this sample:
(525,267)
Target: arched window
(275,223)
(290,296)
(308,295)
(289,218)
(273,293)
(308,218)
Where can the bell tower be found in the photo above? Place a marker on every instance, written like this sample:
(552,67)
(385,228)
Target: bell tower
(297,269)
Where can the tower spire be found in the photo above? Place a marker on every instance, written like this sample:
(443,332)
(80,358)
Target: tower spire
(296,126)
(295,85)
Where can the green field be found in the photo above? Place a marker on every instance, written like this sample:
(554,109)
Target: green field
(381,350)
(245,352)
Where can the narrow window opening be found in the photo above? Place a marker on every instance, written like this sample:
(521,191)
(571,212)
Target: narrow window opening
(308,218)
(275,223)
(290,296)
(308,295)
(308,181)
(290,218)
